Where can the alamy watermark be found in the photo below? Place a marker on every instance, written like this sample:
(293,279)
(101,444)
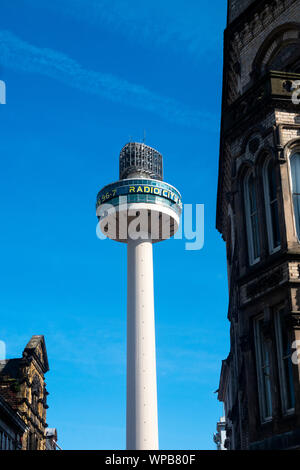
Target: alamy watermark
(296,355)
(142,224)
(296,92)
(2,92)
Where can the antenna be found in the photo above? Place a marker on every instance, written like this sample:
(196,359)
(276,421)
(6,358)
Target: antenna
(144,139)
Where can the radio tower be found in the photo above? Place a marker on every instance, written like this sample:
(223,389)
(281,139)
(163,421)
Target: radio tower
(139,210)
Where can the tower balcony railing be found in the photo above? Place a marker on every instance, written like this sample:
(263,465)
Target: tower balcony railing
(274,89)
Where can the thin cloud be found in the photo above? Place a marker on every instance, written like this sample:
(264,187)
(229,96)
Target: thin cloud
(151,22)
(20,55)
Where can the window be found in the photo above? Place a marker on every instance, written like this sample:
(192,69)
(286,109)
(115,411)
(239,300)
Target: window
(271,203)
(263,371)
(251,218)
(284,353)
(32,441)
(295,172)
(230,238)
(35,393)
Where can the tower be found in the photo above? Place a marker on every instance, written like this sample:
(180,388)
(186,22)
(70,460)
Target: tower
(140,210)
(258,216)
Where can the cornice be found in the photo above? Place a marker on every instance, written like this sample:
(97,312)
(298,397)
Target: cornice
(250,18)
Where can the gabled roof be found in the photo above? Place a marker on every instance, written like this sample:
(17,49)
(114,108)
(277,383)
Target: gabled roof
(36,348)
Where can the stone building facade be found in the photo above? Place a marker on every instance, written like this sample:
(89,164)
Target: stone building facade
(23,389)
(258,215)
(12,427)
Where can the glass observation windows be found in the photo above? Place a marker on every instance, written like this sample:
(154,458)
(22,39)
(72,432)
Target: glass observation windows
(263,371)
(146,198)
(271,205)
(285,365)
(295,173)
(251,212)
(137,187)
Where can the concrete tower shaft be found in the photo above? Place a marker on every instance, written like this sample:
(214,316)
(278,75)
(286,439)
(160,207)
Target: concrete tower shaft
(142,422)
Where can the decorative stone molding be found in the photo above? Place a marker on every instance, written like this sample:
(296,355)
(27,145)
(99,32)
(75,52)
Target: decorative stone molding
(264,284)
(254,23)
(283,36)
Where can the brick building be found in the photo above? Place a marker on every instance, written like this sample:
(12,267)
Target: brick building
(258,215)
(23,396)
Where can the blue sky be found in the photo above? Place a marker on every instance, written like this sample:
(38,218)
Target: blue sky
(84,77)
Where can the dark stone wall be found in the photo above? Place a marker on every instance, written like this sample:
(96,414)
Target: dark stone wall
(236,7)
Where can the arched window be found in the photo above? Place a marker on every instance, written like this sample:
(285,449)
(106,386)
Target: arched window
(271,203)
(35,393)
(279,51)
(263,368)
(285,363)
(251,212)
(295,172)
